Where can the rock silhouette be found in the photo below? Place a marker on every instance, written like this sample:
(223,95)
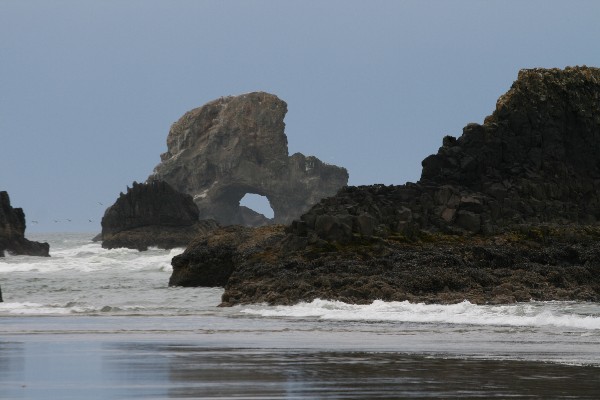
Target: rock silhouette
(152,214)
(534,160)
(12,232)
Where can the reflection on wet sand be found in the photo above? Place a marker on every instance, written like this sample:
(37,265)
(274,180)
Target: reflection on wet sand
(114,369)
(12,362)
(250,373)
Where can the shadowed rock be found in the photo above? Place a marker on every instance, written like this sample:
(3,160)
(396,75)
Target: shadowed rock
(211,258)
(12,232)
(509,211)
(534,160)
(236,145)
(152,214)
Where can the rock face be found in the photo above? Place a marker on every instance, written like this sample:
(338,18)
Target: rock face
(152,214)
(523,265)
(534,160)
(12,232)
(509,211)
(211,258)
(236,145)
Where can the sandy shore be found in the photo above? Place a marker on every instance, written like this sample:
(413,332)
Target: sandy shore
(162,366)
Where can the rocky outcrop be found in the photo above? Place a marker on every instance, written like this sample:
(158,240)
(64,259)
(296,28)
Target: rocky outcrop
(543,264)
(152,214)
(528,263)
(509,211)
(211,258)
(534,160)
(236,145)
(12,232)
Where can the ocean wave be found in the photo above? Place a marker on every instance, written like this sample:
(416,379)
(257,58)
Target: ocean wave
(91,257)
(534,314)
(30,308)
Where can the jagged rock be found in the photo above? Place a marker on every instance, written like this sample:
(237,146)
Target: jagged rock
(560,264)
(509,211)
(534,160)
(211,258)
(249,217)
(152,214)
(12,232)
(236,145)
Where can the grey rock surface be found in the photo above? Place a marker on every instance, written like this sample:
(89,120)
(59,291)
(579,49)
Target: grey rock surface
(236,145)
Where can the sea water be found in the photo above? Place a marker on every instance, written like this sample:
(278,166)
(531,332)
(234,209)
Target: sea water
(94,323)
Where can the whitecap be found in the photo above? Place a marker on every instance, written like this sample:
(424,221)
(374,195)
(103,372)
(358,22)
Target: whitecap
(28,308)
(535,314)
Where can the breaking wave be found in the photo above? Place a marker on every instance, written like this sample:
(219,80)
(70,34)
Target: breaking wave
(534,314)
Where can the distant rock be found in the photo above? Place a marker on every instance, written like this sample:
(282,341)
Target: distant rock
(249,217)
(152,214)
(12,232)
(509,211)
(236,145)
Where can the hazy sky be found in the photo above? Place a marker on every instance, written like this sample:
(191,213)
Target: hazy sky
(89,89)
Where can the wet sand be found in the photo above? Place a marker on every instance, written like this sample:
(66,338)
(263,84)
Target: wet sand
(89,323)
(113,367)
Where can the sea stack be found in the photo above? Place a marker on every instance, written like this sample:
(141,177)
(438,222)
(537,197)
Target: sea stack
(236,145)
(152,214)
(12,232)
(508,211)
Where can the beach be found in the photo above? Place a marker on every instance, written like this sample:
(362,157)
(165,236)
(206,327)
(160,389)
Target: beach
(95,323)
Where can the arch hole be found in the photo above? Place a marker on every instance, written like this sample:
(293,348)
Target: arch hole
(257,203)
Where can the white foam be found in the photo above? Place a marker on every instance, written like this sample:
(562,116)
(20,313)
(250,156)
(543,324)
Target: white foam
(28,308)
(535,314)
(91,257)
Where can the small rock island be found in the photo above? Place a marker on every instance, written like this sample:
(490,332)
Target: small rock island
(509,211)
(152,214)
(12,232)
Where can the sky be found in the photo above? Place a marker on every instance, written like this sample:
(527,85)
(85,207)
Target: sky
(89,89)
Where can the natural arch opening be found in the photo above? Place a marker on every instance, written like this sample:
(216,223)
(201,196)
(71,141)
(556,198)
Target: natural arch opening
(256,210)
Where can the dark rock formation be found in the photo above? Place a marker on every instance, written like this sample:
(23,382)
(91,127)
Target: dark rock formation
(152,214)
(534,160)
(210,259)
(12,232)
(507,212)
(527,264)
(236,145)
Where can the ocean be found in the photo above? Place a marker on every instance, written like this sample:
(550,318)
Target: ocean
(103,324)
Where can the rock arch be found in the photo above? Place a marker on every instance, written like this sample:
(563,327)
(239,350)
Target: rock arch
(236,145)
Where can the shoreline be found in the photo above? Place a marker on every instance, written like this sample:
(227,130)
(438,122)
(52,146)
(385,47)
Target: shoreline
(160,367)
(556,344)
